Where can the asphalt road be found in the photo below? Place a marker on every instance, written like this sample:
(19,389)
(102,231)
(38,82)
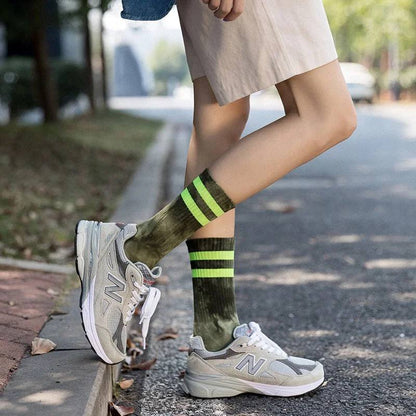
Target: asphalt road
(331,279)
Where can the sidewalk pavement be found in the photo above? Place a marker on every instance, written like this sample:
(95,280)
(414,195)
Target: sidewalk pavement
(23,313)
(69,380)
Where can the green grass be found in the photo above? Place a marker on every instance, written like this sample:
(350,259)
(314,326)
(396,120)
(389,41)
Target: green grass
(53,175)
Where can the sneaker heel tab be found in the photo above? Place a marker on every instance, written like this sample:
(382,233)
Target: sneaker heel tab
(196,343)
(129,231)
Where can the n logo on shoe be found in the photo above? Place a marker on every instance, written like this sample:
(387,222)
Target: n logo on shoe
(119,286)
(252,366)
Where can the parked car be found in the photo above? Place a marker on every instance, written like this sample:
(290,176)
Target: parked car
(360,82)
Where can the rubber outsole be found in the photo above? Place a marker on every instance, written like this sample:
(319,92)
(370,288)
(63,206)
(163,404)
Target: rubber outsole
(211,391)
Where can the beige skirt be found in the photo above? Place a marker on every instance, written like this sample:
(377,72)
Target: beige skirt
(271,41)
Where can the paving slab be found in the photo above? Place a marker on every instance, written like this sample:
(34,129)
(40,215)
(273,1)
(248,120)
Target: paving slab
(23,313)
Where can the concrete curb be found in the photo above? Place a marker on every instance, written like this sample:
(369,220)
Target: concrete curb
(71,380)
(36,266)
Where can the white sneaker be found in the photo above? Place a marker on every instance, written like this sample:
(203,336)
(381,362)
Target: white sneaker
(252,363)
(112,287)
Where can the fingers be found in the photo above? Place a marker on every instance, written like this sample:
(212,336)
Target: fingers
(237,9)
(226,9)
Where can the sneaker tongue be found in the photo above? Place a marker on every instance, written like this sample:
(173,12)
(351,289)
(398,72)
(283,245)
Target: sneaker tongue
(242,330)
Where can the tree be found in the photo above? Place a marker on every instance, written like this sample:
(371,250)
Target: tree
(364,30)
(29,19)
(104,6)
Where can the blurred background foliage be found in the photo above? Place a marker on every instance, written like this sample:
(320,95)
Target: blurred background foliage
(381,34)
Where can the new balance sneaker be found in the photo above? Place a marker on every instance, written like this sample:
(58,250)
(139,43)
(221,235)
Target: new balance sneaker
(252,363)
(112,287)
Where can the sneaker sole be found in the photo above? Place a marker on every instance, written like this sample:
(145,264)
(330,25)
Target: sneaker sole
(222,386)
(86,244)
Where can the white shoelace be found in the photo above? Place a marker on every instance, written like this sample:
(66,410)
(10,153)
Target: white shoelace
(149,306)
(136,298)
(262,341)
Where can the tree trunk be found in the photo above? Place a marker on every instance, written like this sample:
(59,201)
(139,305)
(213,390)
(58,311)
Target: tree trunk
(103,62)
(87,55)
(46,84)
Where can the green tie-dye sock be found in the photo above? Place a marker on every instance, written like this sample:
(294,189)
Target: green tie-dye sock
(199,203)
(215,314)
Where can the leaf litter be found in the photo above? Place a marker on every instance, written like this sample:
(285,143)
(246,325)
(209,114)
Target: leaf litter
(42,346)
(120,410)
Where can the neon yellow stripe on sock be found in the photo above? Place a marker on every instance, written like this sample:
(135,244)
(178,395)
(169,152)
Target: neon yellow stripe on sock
(212,255)
(213,273)
(193,207)
(207,197)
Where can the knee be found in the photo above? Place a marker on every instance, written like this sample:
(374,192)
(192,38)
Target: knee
(336,127)
(221,130)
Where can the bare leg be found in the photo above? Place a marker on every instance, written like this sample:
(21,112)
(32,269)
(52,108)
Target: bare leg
(215,130)
(324,116)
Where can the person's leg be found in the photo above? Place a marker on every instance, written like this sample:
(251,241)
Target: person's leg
(122,255)
(211,248)
(325,116)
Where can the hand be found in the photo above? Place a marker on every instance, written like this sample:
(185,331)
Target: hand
(226,9)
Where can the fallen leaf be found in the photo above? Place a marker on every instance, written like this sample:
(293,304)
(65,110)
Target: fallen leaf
(126,383)
(166,335)
(182,374)
(130,343)
(183,348)
(52,292)
(144,365)
(42,346)
(121,410)
(288,209)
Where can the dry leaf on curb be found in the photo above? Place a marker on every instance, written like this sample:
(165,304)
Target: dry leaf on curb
(52,292)
(166,335)
(126,383)
(288,209)
(42,346)
(144,365)
(183,348)
(121,410)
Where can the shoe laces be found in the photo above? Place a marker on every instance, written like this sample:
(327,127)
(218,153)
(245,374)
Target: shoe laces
(151,294)
(260,340)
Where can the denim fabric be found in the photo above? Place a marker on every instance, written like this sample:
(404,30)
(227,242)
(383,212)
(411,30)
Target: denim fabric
(146,9)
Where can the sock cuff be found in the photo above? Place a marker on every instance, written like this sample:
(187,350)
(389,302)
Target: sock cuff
(211,244)
(216,191)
